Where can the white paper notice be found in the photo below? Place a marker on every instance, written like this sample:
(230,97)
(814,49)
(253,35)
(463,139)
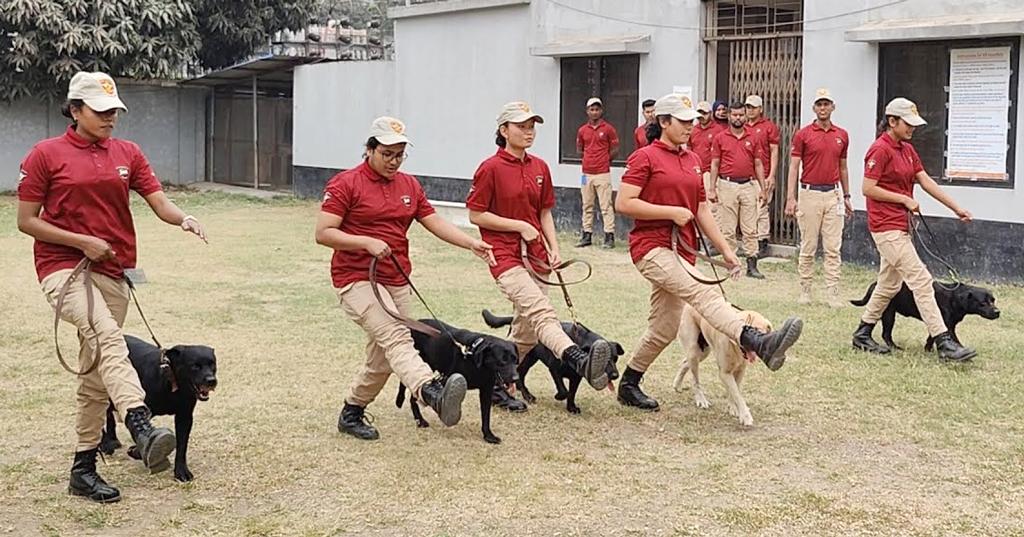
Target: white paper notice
(979,100)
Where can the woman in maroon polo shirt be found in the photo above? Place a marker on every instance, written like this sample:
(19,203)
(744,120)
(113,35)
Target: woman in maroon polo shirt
(663,190)
(511,200)
(366,214)
(73,199)
(891,167)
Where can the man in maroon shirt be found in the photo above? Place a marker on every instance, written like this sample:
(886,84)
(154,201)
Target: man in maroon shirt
(736,159)
(640,134)
(704,131)
(821,148)
(768,134)
(598,143)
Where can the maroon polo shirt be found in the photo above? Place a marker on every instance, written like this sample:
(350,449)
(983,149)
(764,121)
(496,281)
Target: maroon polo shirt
(84,188)
(737,154)
(518,189)
(767,134)
(820,152)
(597,141)
(372,205)
(666,176)
(700,142)
(893,164)
(640,137)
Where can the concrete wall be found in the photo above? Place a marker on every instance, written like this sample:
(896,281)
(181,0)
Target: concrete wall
(854,82)
(168,123)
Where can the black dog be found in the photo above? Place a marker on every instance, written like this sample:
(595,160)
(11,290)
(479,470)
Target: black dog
(195,372)
(560,372)
(486,359)
(955,303)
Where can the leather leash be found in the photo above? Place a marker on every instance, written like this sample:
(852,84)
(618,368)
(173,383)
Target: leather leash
(677,242)
(528,262)
(915,232)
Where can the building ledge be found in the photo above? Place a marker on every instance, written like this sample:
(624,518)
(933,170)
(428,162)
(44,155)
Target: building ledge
(449,6)
(963,26)
(598,46)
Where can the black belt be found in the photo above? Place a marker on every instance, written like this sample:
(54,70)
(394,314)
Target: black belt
(738,180)
(818,188)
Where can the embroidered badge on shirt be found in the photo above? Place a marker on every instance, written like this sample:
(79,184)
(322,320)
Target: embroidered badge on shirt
(123,172)
(327,196)
(540,180)
(871,164)
(407,201)
(22,174)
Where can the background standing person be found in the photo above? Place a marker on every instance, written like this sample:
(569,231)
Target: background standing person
(366,214)
(821,148)
(73,199)
(768,133)
(511,201)
(704,132)
(663,191)
(736,160)
(640,134)
(598,143)
(720,113)
(891,167)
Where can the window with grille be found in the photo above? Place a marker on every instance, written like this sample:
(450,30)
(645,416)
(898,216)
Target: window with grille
(754,17)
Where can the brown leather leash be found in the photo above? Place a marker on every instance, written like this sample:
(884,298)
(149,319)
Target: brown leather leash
(528,262)
(677,242)
(915,233)
(409,323)
(84,269)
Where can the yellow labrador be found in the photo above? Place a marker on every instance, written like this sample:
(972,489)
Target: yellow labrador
(699,339)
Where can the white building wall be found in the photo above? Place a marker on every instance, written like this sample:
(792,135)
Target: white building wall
(850,70)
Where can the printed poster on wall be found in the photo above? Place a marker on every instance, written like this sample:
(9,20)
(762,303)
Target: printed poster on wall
(979,102)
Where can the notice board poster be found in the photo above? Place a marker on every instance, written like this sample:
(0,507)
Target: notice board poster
(979,103)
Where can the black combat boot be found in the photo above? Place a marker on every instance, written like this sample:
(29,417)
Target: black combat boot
(502,399)
(630,393)
(762,248)
(354,421)
(445,399)
(951,350)
(86,482)
(153,444)
(609,241)
(771,347)
(592,367)
(752,271)
(585,239)
(862,339)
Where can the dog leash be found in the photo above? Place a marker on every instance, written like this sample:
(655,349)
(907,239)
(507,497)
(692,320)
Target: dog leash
(676,242)
(529,261)
(84,270)
(915,232)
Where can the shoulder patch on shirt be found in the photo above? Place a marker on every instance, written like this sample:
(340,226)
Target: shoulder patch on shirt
(327,196)
(22,174)
(697,169)
(839,141)
(871,164)
(123,172)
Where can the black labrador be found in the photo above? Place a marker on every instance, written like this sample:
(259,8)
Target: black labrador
(560,372)
(486,359)
(195,371)
(955,303)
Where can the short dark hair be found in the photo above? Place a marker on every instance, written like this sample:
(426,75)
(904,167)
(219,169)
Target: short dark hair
(736,105)
(648,103)
(65,109)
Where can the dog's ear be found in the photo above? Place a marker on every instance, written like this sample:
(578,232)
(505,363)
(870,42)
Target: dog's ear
(619,351)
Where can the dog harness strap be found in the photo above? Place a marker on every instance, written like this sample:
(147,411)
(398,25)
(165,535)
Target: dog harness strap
(165,369)
(84,269)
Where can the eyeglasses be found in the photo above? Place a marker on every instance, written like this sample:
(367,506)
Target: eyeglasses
(394,157)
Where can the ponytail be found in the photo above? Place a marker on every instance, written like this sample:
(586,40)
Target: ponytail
(653,130)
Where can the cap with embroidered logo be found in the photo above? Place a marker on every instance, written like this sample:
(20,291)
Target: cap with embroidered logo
(388,131)
(594,100)
(517,112)
(704,106)
(97,90)
(677,106)
(906,110)
(823,94)
(754,100)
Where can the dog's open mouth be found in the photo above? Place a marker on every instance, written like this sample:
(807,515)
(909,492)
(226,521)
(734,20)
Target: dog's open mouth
(203,392)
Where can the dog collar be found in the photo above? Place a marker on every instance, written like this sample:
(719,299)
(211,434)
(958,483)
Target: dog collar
(476,342)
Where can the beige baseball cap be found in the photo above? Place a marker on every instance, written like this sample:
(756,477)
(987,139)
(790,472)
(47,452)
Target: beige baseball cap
(755,101)
(97,90)
(389,131)
(823,94)
(517,112)
(906,110)
(594,100)
(704,106)
(677,106)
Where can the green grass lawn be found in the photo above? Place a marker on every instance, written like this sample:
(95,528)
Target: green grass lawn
(844,443)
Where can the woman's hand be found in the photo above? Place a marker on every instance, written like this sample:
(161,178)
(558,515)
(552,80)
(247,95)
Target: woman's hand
(377,248)
(529,233)
(483,251)
(190,224)
(97,249)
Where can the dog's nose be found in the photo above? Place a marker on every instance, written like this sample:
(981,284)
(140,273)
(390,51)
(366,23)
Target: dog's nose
(210,381)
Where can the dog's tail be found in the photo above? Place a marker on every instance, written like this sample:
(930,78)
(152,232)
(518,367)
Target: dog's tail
(400,398)
(495,321)
(867,296)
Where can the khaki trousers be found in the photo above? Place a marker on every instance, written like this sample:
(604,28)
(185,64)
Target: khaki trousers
(389,347)
(738,205)
(534,318)
(900,263)
(114,379)
(671,287)
(599,186)
(714,206)
(816,215)
(764,225)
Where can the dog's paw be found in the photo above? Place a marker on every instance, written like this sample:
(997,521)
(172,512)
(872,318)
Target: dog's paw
(701,400)
(182,473)
(573,409)
(733,411)
(491,438)
(746,419)
(133,452)
(109,446)
(422,424)
(529,398)
(561,396)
